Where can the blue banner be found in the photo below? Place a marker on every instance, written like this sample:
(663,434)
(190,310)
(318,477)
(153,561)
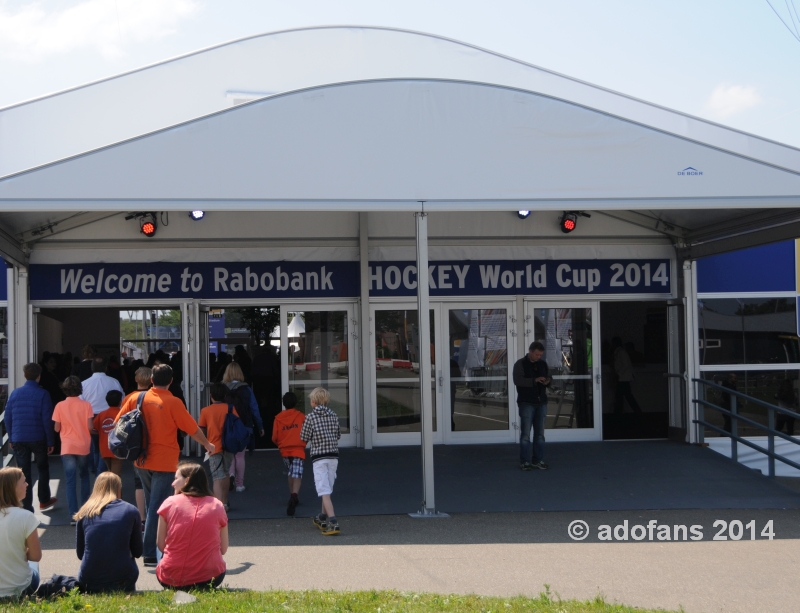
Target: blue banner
(528,277)
(160,280)
(275,280)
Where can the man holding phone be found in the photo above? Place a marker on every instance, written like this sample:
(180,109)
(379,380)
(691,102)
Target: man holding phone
(531,376)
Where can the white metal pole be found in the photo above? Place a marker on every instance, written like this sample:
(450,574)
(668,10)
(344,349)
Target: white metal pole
(692,347)
(367,366)
(426,400)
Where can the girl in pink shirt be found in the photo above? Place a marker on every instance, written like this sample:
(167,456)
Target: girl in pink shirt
(73,421)
(192,533)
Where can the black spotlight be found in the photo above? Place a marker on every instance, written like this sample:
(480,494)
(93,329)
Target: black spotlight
(148,225)
(569,220)
(197,215)
(523,214)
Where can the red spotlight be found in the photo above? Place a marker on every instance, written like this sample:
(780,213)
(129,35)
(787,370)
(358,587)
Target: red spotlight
(569,221)
(148,225)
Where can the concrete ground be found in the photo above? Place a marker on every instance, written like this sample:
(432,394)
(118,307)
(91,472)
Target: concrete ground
(508,554)
(508,533)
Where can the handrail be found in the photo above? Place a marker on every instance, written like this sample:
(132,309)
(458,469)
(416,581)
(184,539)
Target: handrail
(736,418)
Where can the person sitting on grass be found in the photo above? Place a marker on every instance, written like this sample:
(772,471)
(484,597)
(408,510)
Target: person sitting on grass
(20,549)
(212,423)
(286,435)
(109,538)
(321,429)
(192,533)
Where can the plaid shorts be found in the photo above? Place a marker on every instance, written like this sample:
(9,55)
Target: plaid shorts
(294,466)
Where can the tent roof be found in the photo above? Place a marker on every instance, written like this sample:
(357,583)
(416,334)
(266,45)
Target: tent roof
(83,118)
(387,144)
(380,118)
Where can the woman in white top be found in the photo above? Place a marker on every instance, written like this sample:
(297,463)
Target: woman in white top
(20,549)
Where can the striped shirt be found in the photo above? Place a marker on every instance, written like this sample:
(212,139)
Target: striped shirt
(321,429)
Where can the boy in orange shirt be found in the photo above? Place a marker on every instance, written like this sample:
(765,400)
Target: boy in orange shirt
(103,424)
(212,423)
(286,435)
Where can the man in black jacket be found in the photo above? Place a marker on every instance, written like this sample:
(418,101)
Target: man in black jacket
(531,376)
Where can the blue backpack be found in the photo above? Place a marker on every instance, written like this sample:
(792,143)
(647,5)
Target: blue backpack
(235,435)
(128,439)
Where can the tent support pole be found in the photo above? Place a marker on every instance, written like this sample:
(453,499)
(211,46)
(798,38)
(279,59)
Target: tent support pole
(428,508)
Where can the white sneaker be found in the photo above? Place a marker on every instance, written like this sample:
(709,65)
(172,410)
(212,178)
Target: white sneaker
(240,488)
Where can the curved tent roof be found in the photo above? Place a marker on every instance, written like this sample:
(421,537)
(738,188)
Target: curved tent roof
(111,110)
(385,145)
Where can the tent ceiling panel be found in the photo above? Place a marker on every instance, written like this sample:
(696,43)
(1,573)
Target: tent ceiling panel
(383,145)
(125,106)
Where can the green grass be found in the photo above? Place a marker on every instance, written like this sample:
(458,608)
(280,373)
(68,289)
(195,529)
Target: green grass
(317,601)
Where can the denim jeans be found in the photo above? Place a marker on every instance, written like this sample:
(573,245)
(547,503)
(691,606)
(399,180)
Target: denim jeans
(35,578)
(157,488)
(96,464)
(22,454)
(76,464)
(531,415)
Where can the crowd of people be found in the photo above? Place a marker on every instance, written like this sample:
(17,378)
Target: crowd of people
(178,515)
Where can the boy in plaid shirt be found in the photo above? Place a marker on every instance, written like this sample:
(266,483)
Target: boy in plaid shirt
(321,429)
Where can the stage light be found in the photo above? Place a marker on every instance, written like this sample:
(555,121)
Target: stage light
(148,225)
(523,214)
(197,215)
(569,221)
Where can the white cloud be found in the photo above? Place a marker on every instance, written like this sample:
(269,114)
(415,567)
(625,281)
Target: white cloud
(32,33)
(728,100)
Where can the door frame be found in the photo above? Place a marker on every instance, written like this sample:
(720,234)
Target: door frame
(350,438)
(443,374)
(405,438)
(574,434)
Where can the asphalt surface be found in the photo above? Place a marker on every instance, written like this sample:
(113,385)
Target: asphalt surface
(508,554)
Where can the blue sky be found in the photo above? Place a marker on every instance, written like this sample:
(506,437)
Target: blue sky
(731,61)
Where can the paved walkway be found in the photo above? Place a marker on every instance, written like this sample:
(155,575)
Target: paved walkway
(513,553)
(486,478)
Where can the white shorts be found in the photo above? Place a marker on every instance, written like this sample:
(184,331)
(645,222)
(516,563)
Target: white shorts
(325,475)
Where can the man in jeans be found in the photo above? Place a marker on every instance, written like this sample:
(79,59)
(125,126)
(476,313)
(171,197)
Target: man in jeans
(531,376)
(163,415)
(29,423)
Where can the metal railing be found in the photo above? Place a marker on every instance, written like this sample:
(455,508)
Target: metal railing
(736,417)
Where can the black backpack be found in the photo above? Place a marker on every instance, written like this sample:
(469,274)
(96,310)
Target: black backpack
(239,397)
(128,439)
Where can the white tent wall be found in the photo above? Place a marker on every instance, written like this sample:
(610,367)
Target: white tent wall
(385,145)
(170,92)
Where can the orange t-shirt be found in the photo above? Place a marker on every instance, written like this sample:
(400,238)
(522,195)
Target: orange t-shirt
(164,415)
(104,423)
(212,418)
(286,433)
(73,414)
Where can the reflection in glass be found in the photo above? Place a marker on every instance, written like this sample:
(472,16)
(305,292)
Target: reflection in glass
(748,331)
(778,387)
(567,337)
(397,353)
(478,369)
(3,343)
(318,357)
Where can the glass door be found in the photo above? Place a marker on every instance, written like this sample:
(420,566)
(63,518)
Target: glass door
(395,356)
(316,352)
(569,333)
(476,378)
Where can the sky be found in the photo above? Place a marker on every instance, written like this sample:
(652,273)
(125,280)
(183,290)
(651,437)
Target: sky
(729,61)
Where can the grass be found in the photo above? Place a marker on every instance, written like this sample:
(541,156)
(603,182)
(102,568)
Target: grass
(313,601)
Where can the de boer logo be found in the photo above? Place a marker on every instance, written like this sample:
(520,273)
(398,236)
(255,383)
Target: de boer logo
(690,172)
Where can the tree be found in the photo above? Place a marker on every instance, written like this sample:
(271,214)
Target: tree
(260,322)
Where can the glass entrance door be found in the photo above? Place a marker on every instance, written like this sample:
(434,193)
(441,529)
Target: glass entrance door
(569,333)
(316,352)
(395,357)
(476,376)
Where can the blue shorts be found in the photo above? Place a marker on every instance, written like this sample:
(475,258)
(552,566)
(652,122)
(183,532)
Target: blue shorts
(294,466)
